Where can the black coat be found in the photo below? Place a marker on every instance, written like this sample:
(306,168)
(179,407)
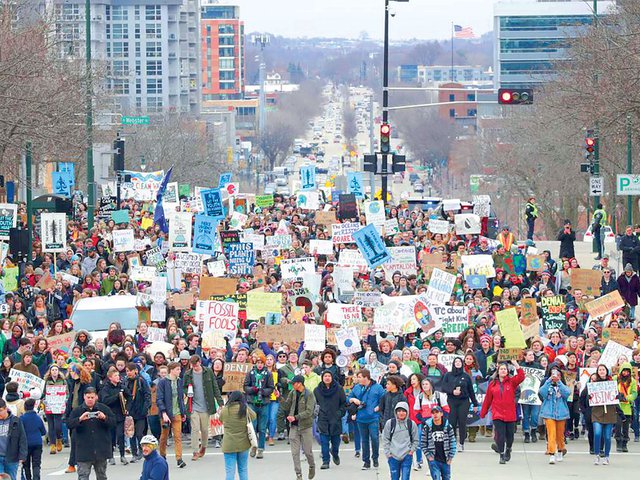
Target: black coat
(71,383)
(92,437)
(110,396)
(332,405)
(388,405)
(630,247)
(17,446)
(139,404)
(566,244)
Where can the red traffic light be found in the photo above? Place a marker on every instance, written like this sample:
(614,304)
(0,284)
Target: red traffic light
(506,97)
(509,96)
(591,144)
(385,129)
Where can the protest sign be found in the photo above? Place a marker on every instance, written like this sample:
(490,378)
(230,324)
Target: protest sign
(482,205)
(61,342)
(476,282)
(553,313)
(292,334)
(374,213)
(217,268)
(403,260)
(606,304)
(570,379)
(234,375)
(371,246)
(391,227)
(212,203)
(478,265)
(255,239)
(143,274)
(529,312)
(343,232)
(156,334)
(447,360)
(142,186)
(55,399)
(204,235)
(259,303)
(348,207)
(343,314)
(171,198)
(182,301)
(355,184)
(320,247)
(188,262)
(602,393)
(295,267)
(216,286)
(425,316)
(281,241)
(241,259)
(530,387)
(454,320)
(214,339)
(53,229)
(612,353)
(467,223)
(120,216)
(473,417)
(343,279)
(123,240)
(535,263)
(8,219)
(228,237)
(180,232)
(158,312)
(439,226)
(434,260)
(348,340)
(325,218)
(224,179)
(623,336)
(314,337)
(308,177)
(508,354)
(385,320)
(352,259)
(440,287)
(507,321)
(238,220)
(585,376)
(367,299)
(217,315)
(26,381)
(46,282)
(264,201)
(511,264)
(587,280)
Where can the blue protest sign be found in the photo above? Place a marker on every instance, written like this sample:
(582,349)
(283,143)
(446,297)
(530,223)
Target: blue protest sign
(62,183)
(120,216)
(273,318)
(308,177)
(476,282)
(241,259)
(204,235)
(355,184)
(371,246)
(70,168)
(212,203)
(225,179)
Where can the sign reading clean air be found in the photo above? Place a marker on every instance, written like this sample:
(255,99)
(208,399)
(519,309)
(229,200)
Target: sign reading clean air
(628,184)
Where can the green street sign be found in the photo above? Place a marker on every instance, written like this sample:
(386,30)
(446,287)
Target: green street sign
(144,120)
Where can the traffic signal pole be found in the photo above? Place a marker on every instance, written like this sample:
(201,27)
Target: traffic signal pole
(385,94)
(629,169)
(91,187)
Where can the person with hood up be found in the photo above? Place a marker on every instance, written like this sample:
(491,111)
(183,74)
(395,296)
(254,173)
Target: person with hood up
(458,386)
(438,444)
(332,405)
(629,287)
(366,397)
(155,467)
(555,412)
(399,441)
(627,393)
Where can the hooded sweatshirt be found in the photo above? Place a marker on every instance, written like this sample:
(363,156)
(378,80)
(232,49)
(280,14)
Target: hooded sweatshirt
(627,388)
(398,442)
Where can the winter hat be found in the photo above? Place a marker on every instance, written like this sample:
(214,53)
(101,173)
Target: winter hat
(396,353)
(297,379)
(485,338)
(628,268)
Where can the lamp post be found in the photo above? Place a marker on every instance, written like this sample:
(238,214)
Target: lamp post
(89,118)
(385,91)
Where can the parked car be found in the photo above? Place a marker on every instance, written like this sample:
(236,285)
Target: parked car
(418,188)
(609,236)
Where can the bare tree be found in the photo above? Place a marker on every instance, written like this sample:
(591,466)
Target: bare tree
(277,139)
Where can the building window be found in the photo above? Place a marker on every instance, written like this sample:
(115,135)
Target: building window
(154,85)
(153,30)
(154,49)
(138,68)
(119,30)
(227,75)
(121,86)
(154,104)
(452,112)
(471,97)
(153,12)
(452,97)
(472,112)
(226,41)
(226,52)
(120,49)
(117,13)
(226,64)
(120,68)
(222,29)
(154,68)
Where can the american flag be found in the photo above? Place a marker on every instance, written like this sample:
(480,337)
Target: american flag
(463,32)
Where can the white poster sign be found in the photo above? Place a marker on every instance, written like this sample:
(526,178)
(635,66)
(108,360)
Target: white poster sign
(54,232)
(467,223)
(295,267)
(123,240)
(344,314)
(348,340)
(212,315)
(440,287)
(403,260)
(180,232)
(314,337)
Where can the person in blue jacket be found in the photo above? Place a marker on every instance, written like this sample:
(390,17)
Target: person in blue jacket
(34,429)
(555,412)
(365,401)
(155,466)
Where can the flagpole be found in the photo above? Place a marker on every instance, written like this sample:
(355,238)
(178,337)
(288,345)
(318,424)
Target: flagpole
(452,29)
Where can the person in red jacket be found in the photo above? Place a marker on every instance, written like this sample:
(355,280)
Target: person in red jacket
(501,399)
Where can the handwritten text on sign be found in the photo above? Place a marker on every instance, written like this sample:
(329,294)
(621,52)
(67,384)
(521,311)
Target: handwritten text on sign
(217,315)
(602,393)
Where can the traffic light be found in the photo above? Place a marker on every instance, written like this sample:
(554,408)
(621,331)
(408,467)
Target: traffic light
(399,163)
(118,155)
(371,163)
(590,145)
(515,96)
(385,138)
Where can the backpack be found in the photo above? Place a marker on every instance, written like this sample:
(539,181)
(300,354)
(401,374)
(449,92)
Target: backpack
(394,422)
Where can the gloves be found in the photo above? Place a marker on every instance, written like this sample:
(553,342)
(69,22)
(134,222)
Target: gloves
(254,390)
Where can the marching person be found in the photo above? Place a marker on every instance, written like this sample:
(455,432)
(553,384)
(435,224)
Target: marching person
(366,396)
(258,386)
(171,407)
(458,386)
(235,416)
(299,407)
(155,466)
(139,394)
(34,430)
(604,417)
(332,405)
(399,441)
(438,444)
(627,393)
(555,412)
(114,396)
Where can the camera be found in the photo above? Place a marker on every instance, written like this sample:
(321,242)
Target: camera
(361,406)
(92,414)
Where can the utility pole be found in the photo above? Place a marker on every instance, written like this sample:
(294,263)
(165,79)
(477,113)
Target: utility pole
(385,95)
(629,169)
(27,164)
(372,146)
(91,187)
(262,40)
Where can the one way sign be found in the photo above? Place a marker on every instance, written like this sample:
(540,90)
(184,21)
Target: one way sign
(595,186)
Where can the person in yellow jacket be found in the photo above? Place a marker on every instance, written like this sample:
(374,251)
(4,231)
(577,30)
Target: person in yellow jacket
(506,238)
(627,393)
(531,215)
(311,378)
(598,222)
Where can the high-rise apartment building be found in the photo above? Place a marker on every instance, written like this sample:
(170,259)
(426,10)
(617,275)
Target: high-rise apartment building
(532,36)
(149,48)
(222,39)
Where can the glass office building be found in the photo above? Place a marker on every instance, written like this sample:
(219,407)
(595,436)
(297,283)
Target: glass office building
(532,37)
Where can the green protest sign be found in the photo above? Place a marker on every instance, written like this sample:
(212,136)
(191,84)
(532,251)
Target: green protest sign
(264,201)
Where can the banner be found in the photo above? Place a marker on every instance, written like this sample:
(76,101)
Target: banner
(204,235)
(440,287)
(289,334)
(507,321)
(8,219)
(216,286)
(295,267)
(55,400)
(553,313)
(606,304)
(403,260)
(143,186)
(53,228)
(180,232)
(602,393)
(212,315)
(530,386)
(343,314)
(355,184)
(308,177)
(212,203)
(348,340)
(314,337)
(371,246)
(374,213)
(467,223)
(623,336)
(241,259)
(123,240)
(343,232)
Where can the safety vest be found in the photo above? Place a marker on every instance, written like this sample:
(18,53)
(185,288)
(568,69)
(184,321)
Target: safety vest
(603,216)
(507,240)
(534,211)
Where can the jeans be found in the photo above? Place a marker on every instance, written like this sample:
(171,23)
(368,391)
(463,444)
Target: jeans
(602,432)
(239,460)
(419,450)
(54,428)
(272,423)
(117,437)
(32,464)
(530,414)
(635,423)
(260,423)
(439,470)
(357,441)
(139,431)
(370,441)
(400,469)
(154,425)
(325,441)
(84,470)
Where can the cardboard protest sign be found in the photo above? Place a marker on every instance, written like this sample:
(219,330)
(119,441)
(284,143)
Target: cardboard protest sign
(585,376)
(348,340)
(391,227)
(529,310)
(606,304)
(212,315)
(467,223)
(343,232)
(241,259)
(612,353)
(535,263)
(234,375)
(216,286)
(343,314)
(290,334)
(325,218)
(570,379)
(26,381)
(46,282)
(348,207)
(623,336)
(182,301)
(217,268)
(55,400)
(440,287)
(530,387)
(602,393)
(553,312)
(371,246)
(296,267)
(53,229)
(507,354)
(352,259)
(308,200)
(385,320)
(8,219)
(314,337)
(61,342)
(214,339)
(259,303)
(123,240)
(507,321)
(188,262)
(482,205)
(432,259)
(297,313)
(439,226)
(586,280)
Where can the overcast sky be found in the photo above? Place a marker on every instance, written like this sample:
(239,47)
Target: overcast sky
(423,19)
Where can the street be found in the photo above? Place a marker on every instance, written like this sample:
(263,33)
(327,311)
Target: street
(478,461)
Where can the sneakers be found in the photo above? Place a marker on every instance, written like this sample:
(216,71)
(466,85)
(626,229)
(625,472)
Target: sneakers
(260,453)
(345,438)
(534,436)
(461,447)
(324,466)
(552,459)
(605,461)
(195,456)
(366,466)
(271,442)
(252,452)
(59,445)
(502,460)
(281,436)
(527,437)
(507,454)
(494,447)
(70,469)
(357,455)
(415,466)
(52,450)
(336,460)
(375,463)
(216,444)
(112,461)
(559,457)
(312,472)
(596,460)
(181,463)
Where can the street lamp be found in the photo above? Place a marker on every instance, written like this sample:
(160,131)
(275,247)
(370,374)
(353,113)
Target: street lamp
(385,90)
